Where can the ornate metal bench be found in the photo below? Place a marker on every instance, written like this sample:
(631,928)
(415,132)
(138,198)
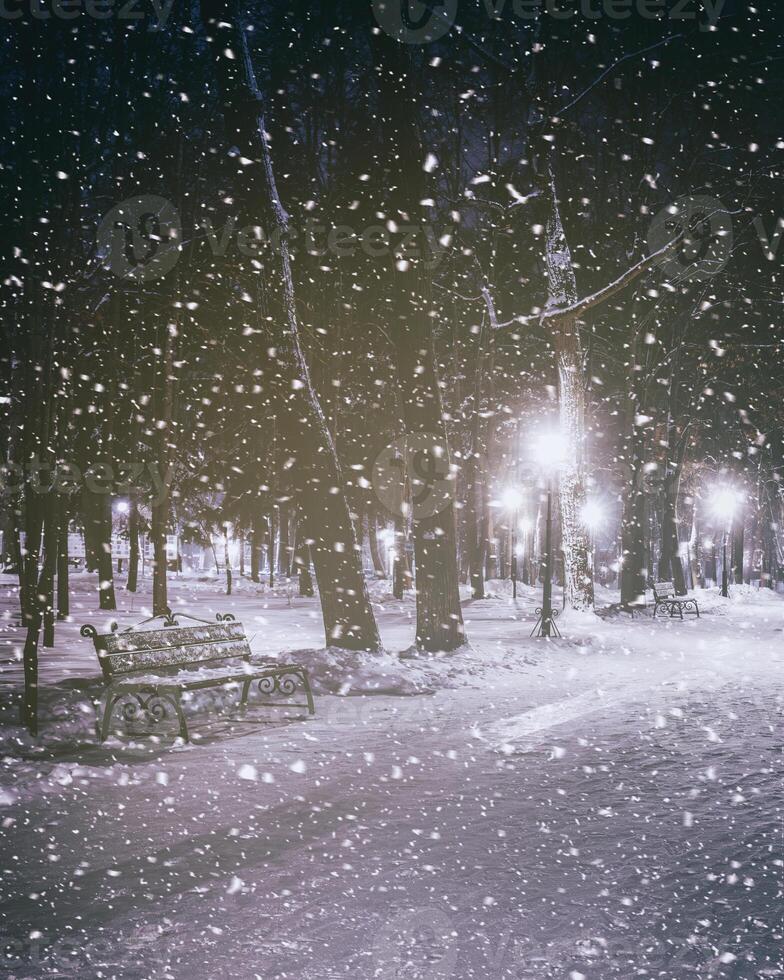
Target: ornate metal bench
(664,597)
(153,668)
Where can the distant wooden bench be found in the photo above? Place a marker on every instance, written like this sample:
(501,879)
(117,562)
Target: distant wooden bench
(664,597)
(153,668)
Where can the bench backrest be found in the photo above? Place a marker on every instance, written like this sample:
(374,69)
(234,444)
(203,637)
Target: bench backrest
(664,590)
(169,649)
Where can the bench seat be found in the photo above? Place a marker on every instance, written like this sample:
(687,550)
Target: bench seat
(664,597)
(151,669)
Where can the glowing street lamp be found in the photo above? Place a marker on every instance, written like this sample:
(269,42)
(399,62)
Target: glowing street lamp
(593,515)
(724,503)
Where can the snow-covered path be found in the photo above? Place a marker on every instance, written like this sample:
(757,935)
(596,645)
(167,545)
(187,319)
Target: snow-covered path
(610,805)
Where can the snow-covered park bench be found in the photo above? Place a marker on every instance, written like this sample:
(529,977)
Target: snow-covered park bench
(664,597)
(150,669)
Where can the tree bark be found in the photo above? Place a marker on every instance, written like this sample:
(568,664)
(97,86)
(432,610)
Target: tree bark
(227,559)
(409,318)
(132,583)
(63,570)
(284,545)
(670,562)
(375,553)
(46,582)
(737,552)
(348,616)
(104,555)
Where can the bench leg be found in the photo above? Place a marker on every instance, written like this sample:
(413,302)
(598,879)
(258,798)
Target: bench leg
(177,702)
(103,727)
(245,693)
(308,692)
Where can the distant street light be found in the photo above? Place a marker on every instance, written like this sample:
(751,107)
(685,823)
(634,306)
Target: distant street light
(724,503)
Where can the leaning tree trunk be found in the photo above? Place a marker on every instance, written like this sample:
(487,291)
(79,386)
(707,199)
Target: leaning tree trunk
(345,604)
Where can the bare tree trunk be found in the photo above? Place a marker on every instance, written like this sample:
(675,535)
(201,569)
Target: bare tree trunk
(375,554)
(401,573)
(670,562)
(284,545)
(46,582)
(562,289)
(227,559)
(738,552)
(302,560)
(348,616)
(103,528)
(133,545)
(63,587)
(408,313)
(160,503)
(31,609)
(633,568)
(256,545)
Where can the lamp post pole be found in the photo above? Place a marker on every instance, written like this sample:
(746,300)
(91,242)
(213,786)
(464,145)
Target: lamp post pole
(724,577)
(545,625)
(514,553)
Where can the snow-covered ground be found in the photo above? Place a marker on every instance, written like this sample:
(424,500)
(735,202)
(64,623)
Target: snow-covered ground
(608,805)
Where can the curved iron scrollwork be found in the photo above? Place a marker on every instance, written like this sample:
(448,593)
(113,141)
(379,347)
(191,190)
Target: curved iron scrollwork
(151,706)
(225,617)
(170,619)
(88,630)
(285,684)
